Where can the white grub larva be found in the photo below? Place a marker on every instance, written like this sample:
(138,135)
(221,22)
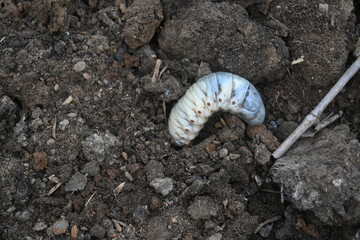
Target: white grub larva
(211,93)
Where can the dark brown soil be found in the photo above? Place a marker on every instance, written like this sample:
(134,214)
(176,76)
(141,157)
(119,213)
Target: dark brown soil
(84,146)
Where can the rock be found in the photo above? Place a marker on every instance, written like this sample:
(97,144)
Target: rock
(40,160)
(245,155)
(79,66)
(198,187)
(154,169)
(98,231)
(285,129)
(262,154)
(92,168)
(7,106)
(36,113)
(140,214)
(60,47)
(143,17)
(232,41)
(39,226)
(203,208)
(63,124)
(60,227)
(76,183)
(264,135)
(99,147)
(23,216)
(322,175)
(216,236)
(24,191)
(162,185)
(223,153)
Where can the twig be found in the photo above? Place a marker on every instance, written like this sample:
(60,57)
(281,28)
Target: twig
(91,197)
(156,71)
(273,219)
(54,129)
(313,117)
(323,124)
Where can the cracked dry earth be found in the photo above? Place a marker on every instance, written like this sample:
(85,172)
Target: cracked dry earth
(85,152)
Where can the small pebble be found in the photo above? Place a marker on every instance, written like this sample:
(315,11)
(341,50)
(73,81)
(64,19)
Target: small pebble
(39,226)
(74,232)
(98,231)
(216,236)
(262,154)
(162,185)
(86,76)
(60,227)
(76,183)
(79,66)
(56,87)
(72,115)
(36,113)
(63,124)
(23,216)
(50,141)
(92,168)
(68,100)
(223,153)
(140,214)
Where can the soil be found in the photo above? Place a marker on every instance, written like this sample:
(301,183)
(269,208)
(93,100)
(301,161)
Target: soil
(84,148)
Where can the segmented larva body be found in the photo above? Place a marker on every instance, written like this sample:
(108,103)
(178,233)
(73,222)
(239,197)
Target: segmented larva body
(211,93)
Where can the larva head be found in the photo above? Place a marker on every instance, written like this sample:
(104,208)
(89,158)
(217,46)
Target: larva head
(252,110)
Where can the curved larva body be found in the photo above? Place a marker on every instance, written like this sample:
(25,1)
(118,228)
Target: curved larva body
(211,93)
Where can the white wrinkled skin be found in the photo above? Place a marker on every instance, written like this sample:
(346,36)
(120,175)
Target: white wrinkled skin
(211,93)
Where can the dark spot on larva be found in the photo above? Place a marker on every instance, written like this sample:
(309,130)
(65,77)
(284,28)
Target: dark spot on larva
(254,93)
(199,112)
(233,102)
(208,104)
(220,100)
(192,121)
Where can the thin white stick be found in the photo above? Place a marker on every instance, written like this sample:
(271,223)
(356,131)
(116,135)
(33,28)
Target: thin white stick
(313,117)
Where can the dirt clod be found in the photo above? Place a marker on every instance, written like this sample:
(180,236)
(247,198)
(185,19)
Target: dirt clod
(203,208)
(142,19)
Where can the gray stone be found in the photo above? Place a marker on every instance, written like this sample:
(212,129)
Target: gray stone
(141,213)
(92,168)
(23,216)
(262,154)
(60,227)
(154,169)
(76,183)
(322,175)
(39,226)
(162,185)
(79,66)
(203,208)
(98,231)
